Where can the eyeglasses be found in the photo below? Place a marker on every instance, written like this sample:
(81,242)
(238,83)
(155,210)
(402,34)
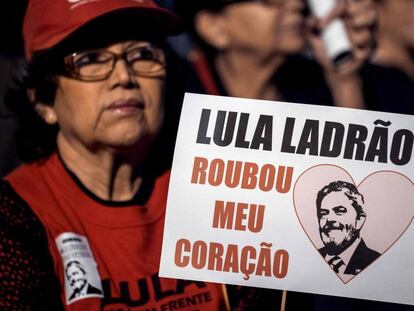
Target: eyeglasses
(97,65)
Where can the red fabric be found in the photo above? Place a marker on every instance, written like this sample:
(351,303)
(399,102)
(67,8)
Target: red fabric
(200,64)
(48,22)
(125,242)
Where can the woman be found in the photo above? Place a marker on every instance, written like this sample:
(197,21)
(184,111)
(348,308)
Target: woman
(85,218)
(254,48)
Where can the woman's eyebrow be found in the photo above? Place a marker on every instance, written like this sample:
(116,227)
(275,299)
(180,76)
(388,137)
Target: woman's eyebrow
(136,44)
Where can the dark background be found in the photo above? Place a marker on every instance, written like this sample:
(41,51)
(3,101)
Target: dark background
(11,15)
(11,49)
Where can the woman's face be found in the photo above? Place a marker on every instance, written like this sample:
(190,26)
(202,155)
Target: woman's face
(121,111)
(266,28)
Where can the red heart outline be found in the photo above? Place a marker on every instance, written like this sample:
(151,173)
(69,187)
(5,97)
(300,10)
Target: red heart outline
(335,170)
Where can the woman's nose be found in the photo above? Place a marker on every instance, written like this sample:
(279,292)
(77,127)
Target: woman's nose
(122,73)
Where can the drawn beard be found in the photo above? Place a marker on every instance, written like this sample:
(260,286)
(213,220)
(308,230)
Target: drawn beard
(78,284)
(337,237)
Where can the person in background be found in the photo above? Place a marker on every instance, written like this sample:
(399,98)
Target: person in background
(254,49)
(94,188)
(260,49)
(389,79)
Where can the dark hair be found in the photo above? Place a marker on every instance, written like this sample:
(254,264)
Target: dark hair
(77,264)
(35,139)
(350,191)
(188,10)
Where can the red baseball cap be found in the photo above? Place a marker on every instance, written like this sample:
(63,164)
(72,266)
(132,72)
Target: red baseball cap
(49,22)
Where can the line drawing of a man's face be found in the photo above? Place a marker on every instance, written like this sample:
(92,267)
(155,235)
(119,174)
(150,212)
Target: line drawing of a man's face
(76,275)
(340,215)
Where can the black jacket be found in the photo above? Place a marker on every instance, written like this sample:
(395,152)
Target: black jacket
(361,258)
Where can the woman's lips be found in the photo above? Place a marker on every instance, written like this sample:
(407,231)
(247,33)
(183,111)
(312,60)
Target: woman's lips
(126,106)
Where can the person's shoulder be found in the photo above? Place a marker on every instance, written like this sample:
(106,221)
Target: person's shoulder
(25,173)
(368,252)
(93,290)
(32,181)
(25,256)
(15,214)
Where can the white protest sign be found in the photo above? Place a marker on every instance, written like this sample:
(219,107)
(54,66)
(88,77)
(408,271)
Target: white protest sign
(289,196)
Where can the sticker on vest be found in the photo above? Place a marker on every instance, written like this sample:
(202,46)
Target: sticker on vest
(79,267)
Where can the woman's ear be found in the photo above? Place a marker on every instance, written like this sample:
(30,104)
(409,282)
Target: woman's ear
(46,112)
(211,27)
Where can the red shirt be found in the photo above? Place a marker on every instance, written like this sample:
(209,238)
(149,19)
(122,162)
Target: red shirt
(106,257)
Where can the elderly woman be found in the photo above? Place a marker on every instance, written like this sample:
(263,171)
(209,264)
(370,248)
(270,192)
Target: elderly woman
(81,225)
